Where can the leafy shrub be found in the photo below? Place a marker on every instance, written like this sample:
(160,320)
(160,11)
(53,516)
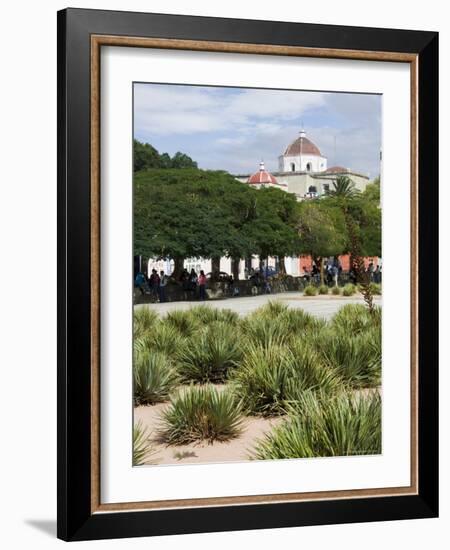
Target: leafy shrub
(204,315)
(154,377)
(355,358)
(142,449)
(199,413)
(349,289)
(310,290)
(336,291)
(209,355)
(319,426)
(323,289)
(143,320)
(270,377)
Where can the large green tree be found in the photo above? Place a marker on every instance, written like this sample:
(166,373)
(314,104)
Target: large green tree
(273,230)
(322,230)
(180,213)
(362,216)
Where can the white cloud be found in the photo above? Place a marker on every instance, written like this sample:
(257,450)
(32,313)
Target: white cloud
(166,110)
(248,125)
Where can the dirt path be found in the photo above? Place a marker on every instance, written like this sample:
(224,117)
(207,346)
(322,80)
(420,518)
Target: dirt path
(235,450)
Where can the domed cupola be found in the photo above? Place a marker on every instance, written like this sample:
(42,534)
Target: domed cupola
(302,155)
(262,177)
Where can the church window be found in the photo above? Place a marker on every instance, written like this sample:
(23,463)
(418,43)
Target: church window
(308,167)
(292,167)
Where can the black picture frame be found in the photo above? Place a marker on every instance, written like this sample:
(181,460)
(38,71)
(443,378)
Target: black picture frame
(76,521)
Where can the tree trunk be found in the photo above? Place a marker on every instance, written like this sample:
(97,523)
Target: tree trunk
(235,266)
(215,268)
(357,264)
(282,265)
(178,267)
(321,272)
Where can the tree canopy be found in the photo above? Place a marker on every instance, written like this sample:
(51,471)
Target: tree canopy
(146,157)
(198,213)
(188,212)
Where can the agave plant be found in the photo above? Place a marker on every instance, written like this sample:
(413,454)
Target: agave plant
(262,330)
(182,321)
(142,448)
(297,322)
(310,372)
(154,377)
(205,315)
(143,320)
(163,337)
(262,380)
(272,309)
(210,354)
(356,318)
(310,290)
(271,377)
(349,289)
(355,358)
(318,426)
(201,413)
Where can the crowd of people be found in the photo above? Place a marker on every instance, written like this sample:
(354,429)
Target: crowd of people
(194,284)
(156,284)
(333,271)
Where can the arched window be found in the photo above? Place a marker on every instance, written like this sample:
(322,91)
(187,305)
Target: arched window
(292,167)
(312,189)
(308,167)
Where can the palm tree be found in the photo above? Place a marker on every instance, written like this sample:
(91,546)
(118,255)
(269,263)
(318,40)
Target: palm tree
(344,188)
(345,192)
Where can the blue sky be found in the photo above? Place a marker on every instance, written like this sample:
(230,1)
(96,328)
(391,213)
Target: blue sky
(234,128)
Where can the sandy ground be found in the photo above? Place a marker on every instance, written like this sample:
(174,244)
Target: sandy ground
(235,450)
(321,306)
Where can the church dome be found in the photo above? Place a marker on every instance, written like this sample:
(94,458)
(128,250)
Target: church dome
(337,170)
(302,146)
(262,176)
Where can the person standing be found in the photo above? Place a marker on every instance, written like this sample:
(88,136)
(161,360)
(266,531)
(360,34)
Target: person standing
(154,284)
(162,287)
(202,285)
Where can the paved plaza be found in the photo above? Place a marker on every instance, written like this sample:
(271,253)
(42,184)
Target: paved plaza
(321,306)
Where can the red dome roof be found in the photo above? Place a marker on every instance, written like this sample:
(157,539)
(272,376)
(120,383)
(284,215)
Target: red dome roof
(302,145)
(262,176)
(337,170)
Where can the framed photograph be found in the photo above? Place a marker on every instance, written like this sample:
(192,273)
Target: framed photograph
(247,254)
